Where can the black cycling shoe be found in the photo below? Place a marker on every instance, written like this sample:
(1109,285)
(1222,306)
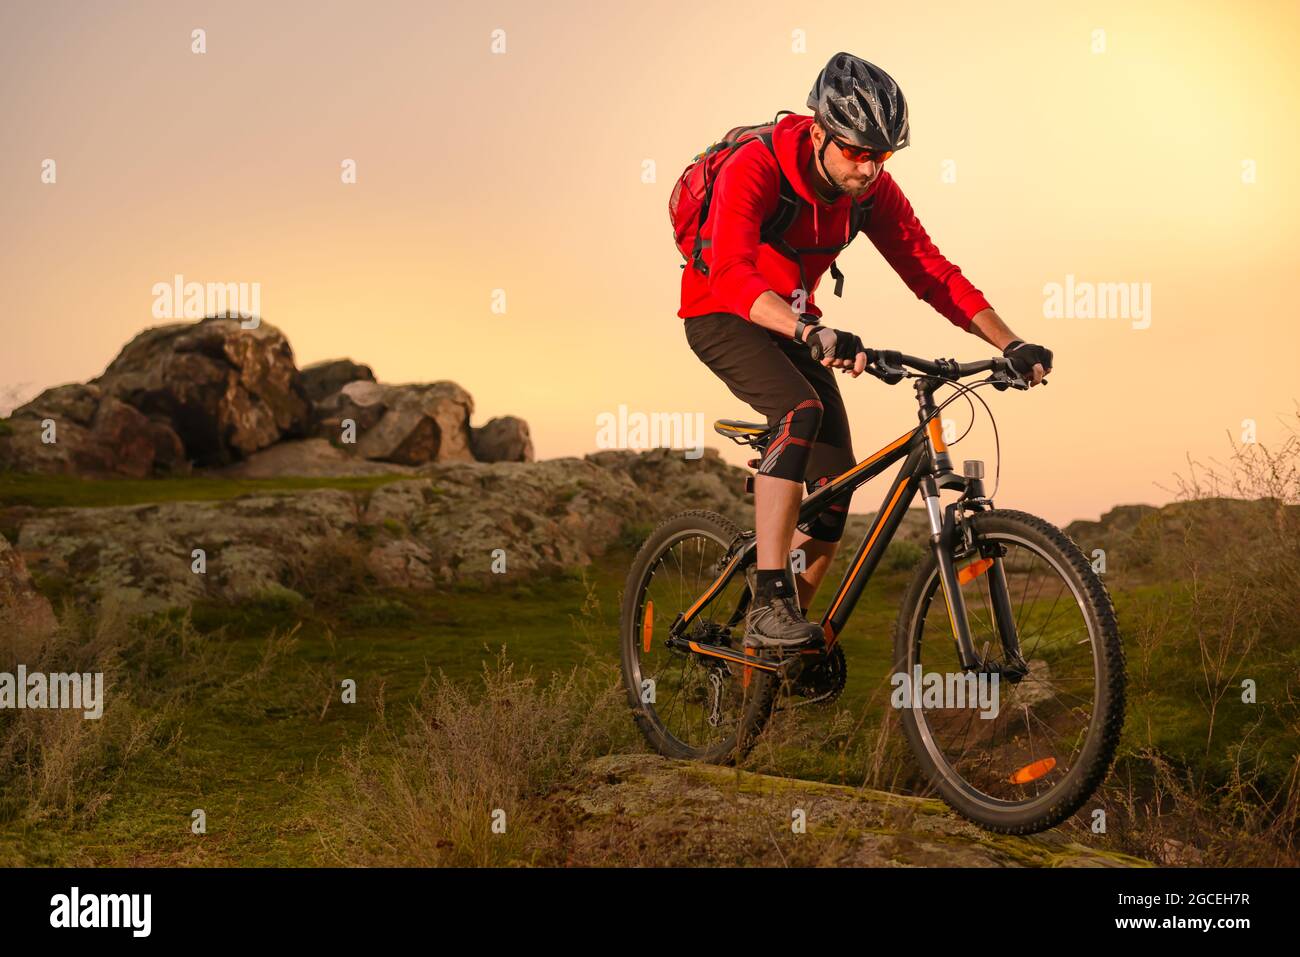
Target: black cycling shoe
(774,621)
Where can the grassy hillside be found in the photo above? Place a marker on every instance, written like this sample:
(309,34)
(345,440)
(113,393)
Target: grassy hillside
(236,711)
(498,694)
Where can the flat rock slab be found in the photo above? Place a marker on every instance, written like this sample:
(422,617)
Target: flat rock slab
(644,809)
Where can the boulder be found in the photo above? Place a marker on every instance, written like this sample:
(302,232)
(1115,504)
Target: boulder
(93,435)
(227,391)
(24,612)
(323,379)
(405,424)
(315,458)
(503,439)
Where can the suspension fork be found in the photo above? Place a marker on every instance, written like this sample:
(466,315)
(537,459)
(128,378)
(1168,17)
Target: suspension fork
(944,541)
(941,543)
(1004,615)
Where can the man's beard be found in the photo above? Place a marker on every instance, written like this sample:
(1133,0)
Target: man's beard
(854,188)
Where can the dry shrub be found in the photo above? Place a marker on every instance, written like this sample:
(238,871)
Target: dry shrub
(424,792)
(56,763)
(330,570)
(1231,547)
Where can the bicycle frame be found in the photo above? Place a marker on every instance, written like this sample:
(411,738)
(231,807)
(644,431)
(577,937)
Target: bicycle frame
(926,468)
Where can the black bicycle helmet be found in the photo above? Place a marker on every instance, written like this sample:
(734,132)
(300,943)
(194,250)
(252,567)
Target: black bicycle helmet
(859,104)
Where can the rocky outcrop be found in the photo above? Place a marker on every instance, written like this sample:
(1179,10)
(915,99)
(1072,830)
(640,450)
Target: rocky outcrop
(503,439)
(323,379)
(452,522)
(174,553)
(213,394)
(404,424)
(434,526)
(23,610)
(77,430)
(226,390)
(1142,543)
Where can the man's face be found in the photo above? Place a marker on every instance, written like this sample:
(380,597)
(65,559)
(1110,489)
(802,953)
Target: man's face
(853,178)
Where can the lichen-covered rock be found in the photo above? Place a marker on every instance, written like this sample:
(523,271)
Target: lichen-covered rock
(456,521)
(24,612)
(664,813)
(145,555)
(667,475)
(538,517)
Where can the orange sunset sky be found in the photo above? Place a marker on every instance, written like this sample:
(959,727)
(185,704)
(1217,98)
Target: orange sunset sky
(1159,150)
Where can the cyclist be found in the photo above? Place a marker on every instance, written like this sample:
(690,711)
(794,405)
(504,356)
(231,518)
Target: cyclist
(741,317)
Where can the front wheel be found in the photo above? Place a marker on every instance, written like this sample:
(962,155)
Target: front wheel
(1041,732)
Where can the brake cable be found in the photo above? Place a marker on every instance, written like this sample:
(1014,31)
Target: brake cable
(967,391)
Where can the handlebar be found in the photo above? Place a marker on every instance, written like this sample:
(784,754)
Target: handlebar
(892,367)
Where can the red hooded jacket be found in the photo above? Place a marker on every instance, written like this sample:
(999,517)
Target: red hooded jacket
(741,268)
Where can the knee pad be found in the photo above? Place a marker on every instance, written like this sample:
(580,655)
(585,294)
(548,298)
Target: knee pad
(828,526)
(792,442)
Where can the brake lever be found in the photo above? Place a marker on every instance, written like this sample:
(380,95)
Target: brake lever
(1002,381)
(885,372)
(887,375)
(1005,376)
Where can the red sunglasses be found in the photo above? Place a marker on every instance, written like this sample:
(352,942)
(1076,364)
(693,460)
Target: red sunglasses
(858,154)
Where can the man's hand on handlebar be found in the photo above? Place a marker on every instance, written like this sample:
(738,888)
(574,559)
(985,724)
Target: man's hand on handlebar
(835,348)
(1032,362)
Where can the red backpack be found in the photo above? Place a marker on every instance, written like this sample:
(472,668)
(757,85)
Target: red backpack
(692,196)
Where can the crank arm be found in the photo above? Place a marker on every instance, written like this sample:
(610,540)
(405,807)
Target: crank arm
(725,653)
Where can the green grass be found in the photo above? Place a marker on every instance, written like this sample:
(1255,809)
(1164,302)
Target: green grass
(51,491)
(254,750)
(260,727)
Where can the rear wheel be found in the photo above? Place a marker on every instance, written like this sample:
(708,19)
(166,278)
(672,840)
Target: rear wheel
(689,705)
(1032,760)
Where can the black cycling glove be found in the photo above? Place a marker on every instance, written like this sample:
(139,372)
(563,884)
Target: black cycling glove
(1025,355)
(826,343)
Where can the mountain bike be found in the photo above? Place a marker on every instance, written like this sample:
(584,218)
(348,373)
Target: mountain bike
(1001,596)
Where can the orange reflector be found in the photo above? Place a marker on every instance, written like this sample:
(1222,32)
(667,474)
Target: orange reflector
(647,626)
(1032,772)
(974,570)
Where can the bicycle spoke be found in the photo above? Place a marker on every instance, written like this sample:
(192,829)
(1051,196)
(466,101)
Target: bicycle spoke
(1035,737)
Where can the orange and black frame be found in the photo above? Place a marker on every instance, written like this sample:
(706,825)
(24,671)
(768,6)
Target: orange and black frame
(927,468)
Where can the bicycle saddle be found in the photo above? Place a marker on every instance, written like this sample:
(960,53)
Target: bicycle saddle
(743,433)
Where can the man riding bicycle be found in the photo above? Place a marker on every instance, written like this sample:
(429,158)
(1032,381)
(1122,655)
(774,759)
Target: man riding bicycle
(751,318)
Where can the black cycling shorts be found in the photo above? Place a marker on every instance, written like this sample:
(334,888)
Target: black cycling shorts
(774,375)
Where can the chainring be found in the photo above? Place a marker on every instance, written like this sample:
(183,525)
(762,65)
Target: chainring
(822,683)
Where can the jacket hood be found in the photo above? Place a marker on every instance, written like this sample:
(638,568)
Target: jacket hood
(792,143)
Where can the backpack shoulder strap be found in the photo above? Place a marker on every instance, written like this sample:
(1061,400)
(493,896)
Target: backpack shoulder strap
(787,208)
(860,215)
